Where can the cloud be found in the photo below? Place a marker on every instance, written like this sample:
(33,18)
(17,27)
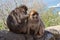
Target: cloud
(58,5)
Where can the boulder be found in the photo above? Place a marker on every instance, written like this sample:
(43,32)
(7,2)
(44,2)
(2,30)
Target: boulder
(7,35)
(55,30)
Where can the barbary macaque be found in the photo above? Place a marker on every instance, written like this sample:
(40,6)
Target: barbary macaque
(35,24)
(17,19)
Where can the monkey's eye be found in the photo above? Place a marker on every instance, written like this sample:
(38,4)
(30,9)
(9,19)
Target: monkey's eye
(35,14)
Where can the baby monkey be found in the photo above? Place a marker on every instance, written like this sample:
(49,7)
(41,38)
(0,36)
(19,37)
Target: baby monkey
(35,24)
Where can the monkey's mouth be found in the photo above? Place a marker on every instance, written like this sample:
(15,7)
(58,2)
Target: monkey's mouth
(36,19)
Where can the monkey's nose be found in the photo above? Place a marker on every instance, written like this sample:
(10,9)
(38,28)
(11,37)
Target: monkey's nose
(35,17)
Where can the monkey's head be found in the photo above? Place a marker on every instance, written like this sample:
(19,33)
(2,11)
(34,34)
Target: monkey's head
(33,15)
(17,10)
(23,8)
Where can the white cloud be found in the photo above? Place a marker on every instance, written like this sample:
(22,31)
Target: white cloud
(58,5)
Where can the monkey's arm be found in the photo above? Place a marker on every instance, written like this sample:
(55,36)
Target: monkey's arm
(41,28)
(41,23)
(24,17)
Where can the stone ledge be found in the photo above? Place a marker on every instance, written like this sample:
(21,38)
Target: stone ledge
(6,35)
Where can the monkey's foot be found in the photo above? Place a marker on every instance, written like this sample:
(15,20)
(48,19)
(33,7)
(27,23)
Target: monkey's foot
(38,36)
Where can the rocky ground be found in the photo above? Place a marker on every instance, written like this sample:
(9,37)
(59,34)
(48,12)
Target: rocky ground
(51,33)
(55,30)
(6,35)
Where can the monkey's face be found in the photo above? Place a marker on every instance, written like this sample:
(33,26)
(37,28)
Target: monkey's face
(17,10)
(23,11)
(34,16)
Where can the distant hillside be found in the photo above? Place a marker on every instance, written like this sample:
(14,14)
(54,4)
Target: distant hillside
(55,9)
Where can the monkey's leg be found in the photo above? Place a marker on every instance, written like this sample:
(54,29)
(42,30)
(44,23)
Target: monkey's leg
(36,30)
(40,32)
(18,18)
(28,29)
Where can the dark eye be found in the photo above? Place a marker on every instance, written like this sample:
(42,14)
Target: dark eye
(33,14)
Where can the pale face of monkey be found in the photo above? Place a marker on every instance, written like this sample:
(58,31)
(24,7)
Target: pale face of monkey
(34,17)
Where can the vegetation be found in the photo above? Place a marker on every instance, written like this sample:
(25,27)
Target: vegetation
(1,25)
(50,18)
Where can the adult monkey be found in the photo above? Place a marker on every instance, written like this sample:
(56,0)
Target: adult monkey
(17,19)
(35,24)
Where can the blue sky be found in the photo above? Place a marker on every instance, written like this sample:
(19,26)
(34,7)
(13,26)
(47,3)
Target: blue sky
(52,2)
(49,3)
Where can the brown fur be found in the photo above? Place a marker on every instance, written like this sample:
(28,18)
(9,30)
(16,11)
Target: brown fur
(17,19)
(35,25)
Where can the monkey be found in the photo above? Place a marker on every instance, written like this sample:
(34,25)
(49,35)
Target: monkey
(35,24)
(17,19)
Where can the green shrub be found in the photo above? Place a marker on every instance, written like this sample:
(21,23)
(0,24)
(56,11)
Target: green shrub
(1,25)
(50,19)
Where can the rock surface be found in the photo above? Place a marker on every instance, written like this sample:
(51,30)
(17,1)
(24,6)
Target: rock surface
(6,35)
(55,30)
